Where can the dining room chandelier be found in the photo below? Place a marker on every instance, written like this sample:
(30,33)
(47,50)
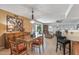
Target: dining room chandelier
(32,21)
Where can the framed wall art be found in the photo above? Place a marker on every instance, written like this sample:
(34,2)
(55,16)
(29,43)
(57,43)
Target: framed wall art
(14,24)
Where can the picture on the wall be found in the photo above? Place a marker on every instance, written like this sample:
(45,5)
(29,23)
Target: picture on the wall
(14,24)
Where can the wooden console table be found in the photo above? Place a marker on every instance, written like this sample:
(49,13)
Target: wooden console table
(11,35)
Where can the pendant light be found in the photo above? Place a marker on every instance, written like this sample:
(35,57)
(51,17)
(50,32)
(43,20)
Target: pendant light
(32,21)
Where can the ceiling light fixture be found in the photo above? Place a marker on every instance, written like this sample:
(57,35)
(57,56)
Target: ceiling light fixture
(32,21)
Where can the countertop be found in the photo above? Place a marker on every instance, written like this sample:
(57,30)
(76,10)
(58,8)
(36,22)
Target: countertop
(72,36)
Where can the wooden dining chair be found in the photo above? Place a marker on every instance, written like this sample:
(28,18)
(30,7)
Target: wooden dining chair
(17,46)
(37,43)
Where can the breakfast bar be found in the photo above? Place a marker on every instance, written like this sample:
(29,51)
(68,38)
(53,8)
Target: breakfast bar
(74,38)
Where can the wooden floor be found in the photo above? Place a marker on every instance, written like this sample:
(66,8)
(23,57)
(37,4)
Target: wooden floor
(49,48)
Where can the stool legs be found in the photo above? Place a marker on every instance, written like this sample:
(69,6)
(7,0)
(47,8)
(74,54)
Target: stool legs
(60,47)
(69,48)
(56,46)
(63,49)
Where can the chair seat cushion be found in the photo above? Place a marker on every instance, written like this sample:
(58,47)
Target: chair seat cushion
(64,41)
(21,47)
(36,42)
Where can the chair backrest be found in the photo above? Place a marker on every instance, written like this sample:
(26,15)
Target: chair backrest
(17,46)
(11,37)
(38,40)
(58,33)
(59,36)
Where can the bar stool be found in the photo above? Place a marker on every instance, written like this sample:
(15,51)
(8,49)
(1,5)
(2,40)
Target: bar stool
(62,41)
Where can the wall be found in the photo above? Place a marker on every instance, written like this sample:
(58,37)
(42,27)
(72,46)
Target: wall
(27,25)
(2,26)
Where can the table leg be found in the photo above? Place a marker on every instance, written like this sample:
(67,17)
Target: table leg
(28,48)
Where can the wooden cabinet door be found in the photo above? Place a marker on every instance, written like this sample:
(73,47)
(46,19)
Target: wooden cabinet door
(75,47)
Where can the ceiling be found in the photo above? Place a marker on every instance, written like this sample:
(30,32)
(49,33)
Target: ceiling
(45,13)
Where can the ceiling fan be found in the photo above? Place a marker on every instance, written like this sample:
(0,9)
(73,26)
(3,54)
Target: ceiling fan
(59,21)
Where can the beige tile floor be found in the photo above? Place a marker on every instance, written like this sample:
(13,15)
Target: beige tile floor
(49,48)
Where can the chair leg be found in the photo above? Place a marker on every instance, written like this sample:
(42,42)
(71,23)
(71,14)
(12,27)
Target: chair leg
(60,47)
(39,50)
(56,46)
(43,48)
(33,49)
(63,49)
(69,48)
(11,53)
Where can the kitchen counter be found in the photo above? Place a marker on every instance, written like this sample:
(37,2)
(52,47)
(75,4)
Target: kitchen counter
(74,38)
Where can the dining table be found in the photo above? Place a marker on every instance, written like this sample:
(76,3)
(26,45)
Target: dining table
(28,43)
